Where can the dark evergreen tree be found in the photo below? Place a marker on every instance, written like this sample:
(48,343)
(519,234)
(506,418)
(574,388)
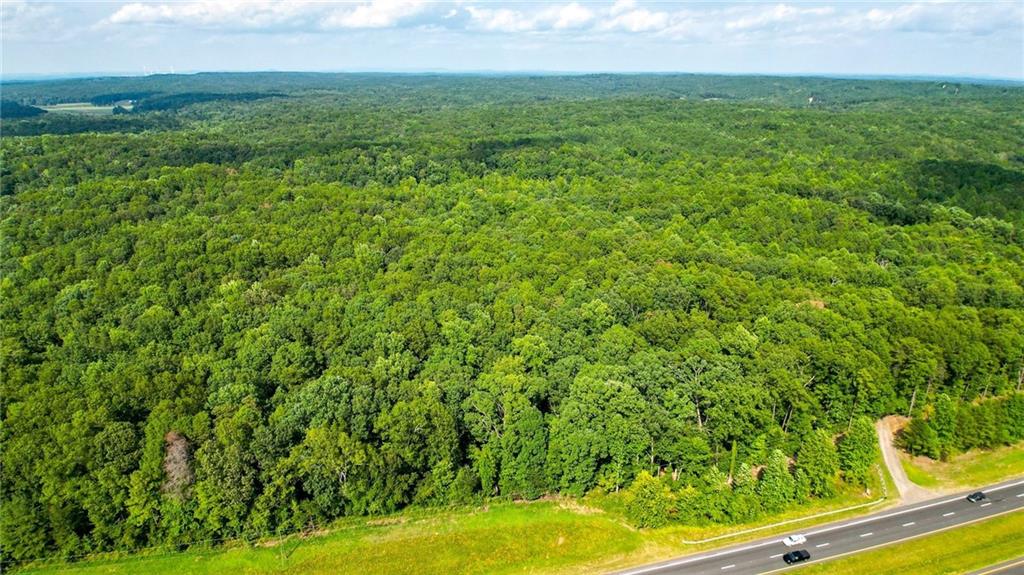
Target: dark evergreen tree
(858,450)
(819,463)
(777,486)
(919,438)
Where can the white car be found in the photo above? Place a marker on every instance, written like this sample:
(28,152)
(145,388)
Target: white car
(794,540)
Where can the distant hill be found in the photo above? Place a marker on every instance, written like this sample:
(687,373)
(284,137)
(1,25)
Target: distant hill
(177,101)
(389,88)
(11,109)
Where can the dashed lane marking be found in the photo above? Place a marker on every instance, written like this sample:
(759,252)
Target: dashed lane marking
(907,538)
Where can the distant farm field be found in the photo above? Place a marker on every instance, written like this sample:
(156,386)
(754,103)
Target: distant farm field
(82,108)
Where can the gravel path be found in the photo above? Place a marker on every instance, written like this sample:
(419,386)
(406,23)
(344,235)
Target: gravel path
(910,492)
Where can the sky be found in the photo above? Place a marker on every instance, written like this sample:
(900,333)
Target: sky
(976,39)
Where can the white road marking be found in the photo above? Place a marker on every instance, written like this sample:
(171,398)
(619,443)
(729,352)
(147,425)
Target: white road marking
(910,509)
(986,504)
(907,538)
(909,524)
(948,514)
(776,556)
(1020,495)
(868,534)
(823,545)
(826,529)
(728,567)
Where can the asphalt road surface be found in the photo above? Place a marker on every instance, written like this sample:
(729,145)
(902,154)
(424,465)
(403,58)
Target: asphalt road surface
(847,537)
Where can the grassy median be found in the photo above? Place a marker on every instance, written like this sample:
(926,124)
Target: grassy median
(957,550)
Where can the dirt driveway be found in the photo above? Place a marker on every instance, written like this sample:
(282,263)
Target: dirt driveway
(910,492)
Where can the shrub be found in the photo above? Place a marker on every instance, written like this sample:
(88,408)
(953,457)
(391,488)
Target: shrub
(649,502)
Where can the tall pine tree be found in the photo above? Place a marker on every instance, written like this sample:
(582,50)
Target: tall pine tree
(818,461)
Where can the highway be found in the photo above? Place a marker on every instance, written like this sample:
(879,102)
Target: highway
(847,537)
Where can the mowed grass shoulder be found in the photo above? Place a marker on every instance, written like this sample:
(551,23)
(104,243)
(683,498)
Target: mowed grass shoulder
(974,468)
(504,538)
(957,550)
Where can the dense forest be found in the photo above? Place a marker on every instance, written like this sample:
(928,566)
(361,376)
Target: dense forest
(261,302)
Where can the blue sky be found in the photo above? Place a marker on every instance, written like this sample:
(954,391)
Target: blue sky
(889,37)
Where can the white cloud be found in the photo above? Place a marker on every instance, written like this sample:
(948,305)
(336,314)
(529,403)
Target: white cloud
(500,20)
(28,21)
(376,14)
(621,6)
(570,16)
(776,15)
(215,14)
(624,15)
(564,17)
(863,36)
(942,18)
(736,23)
(268,15)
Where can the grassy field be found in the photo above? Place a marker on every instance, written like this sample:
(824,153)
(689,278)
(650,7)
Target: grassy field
(81,108)
(917,474)
(974,468)
(563,536)
(990,542)
(506,538)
